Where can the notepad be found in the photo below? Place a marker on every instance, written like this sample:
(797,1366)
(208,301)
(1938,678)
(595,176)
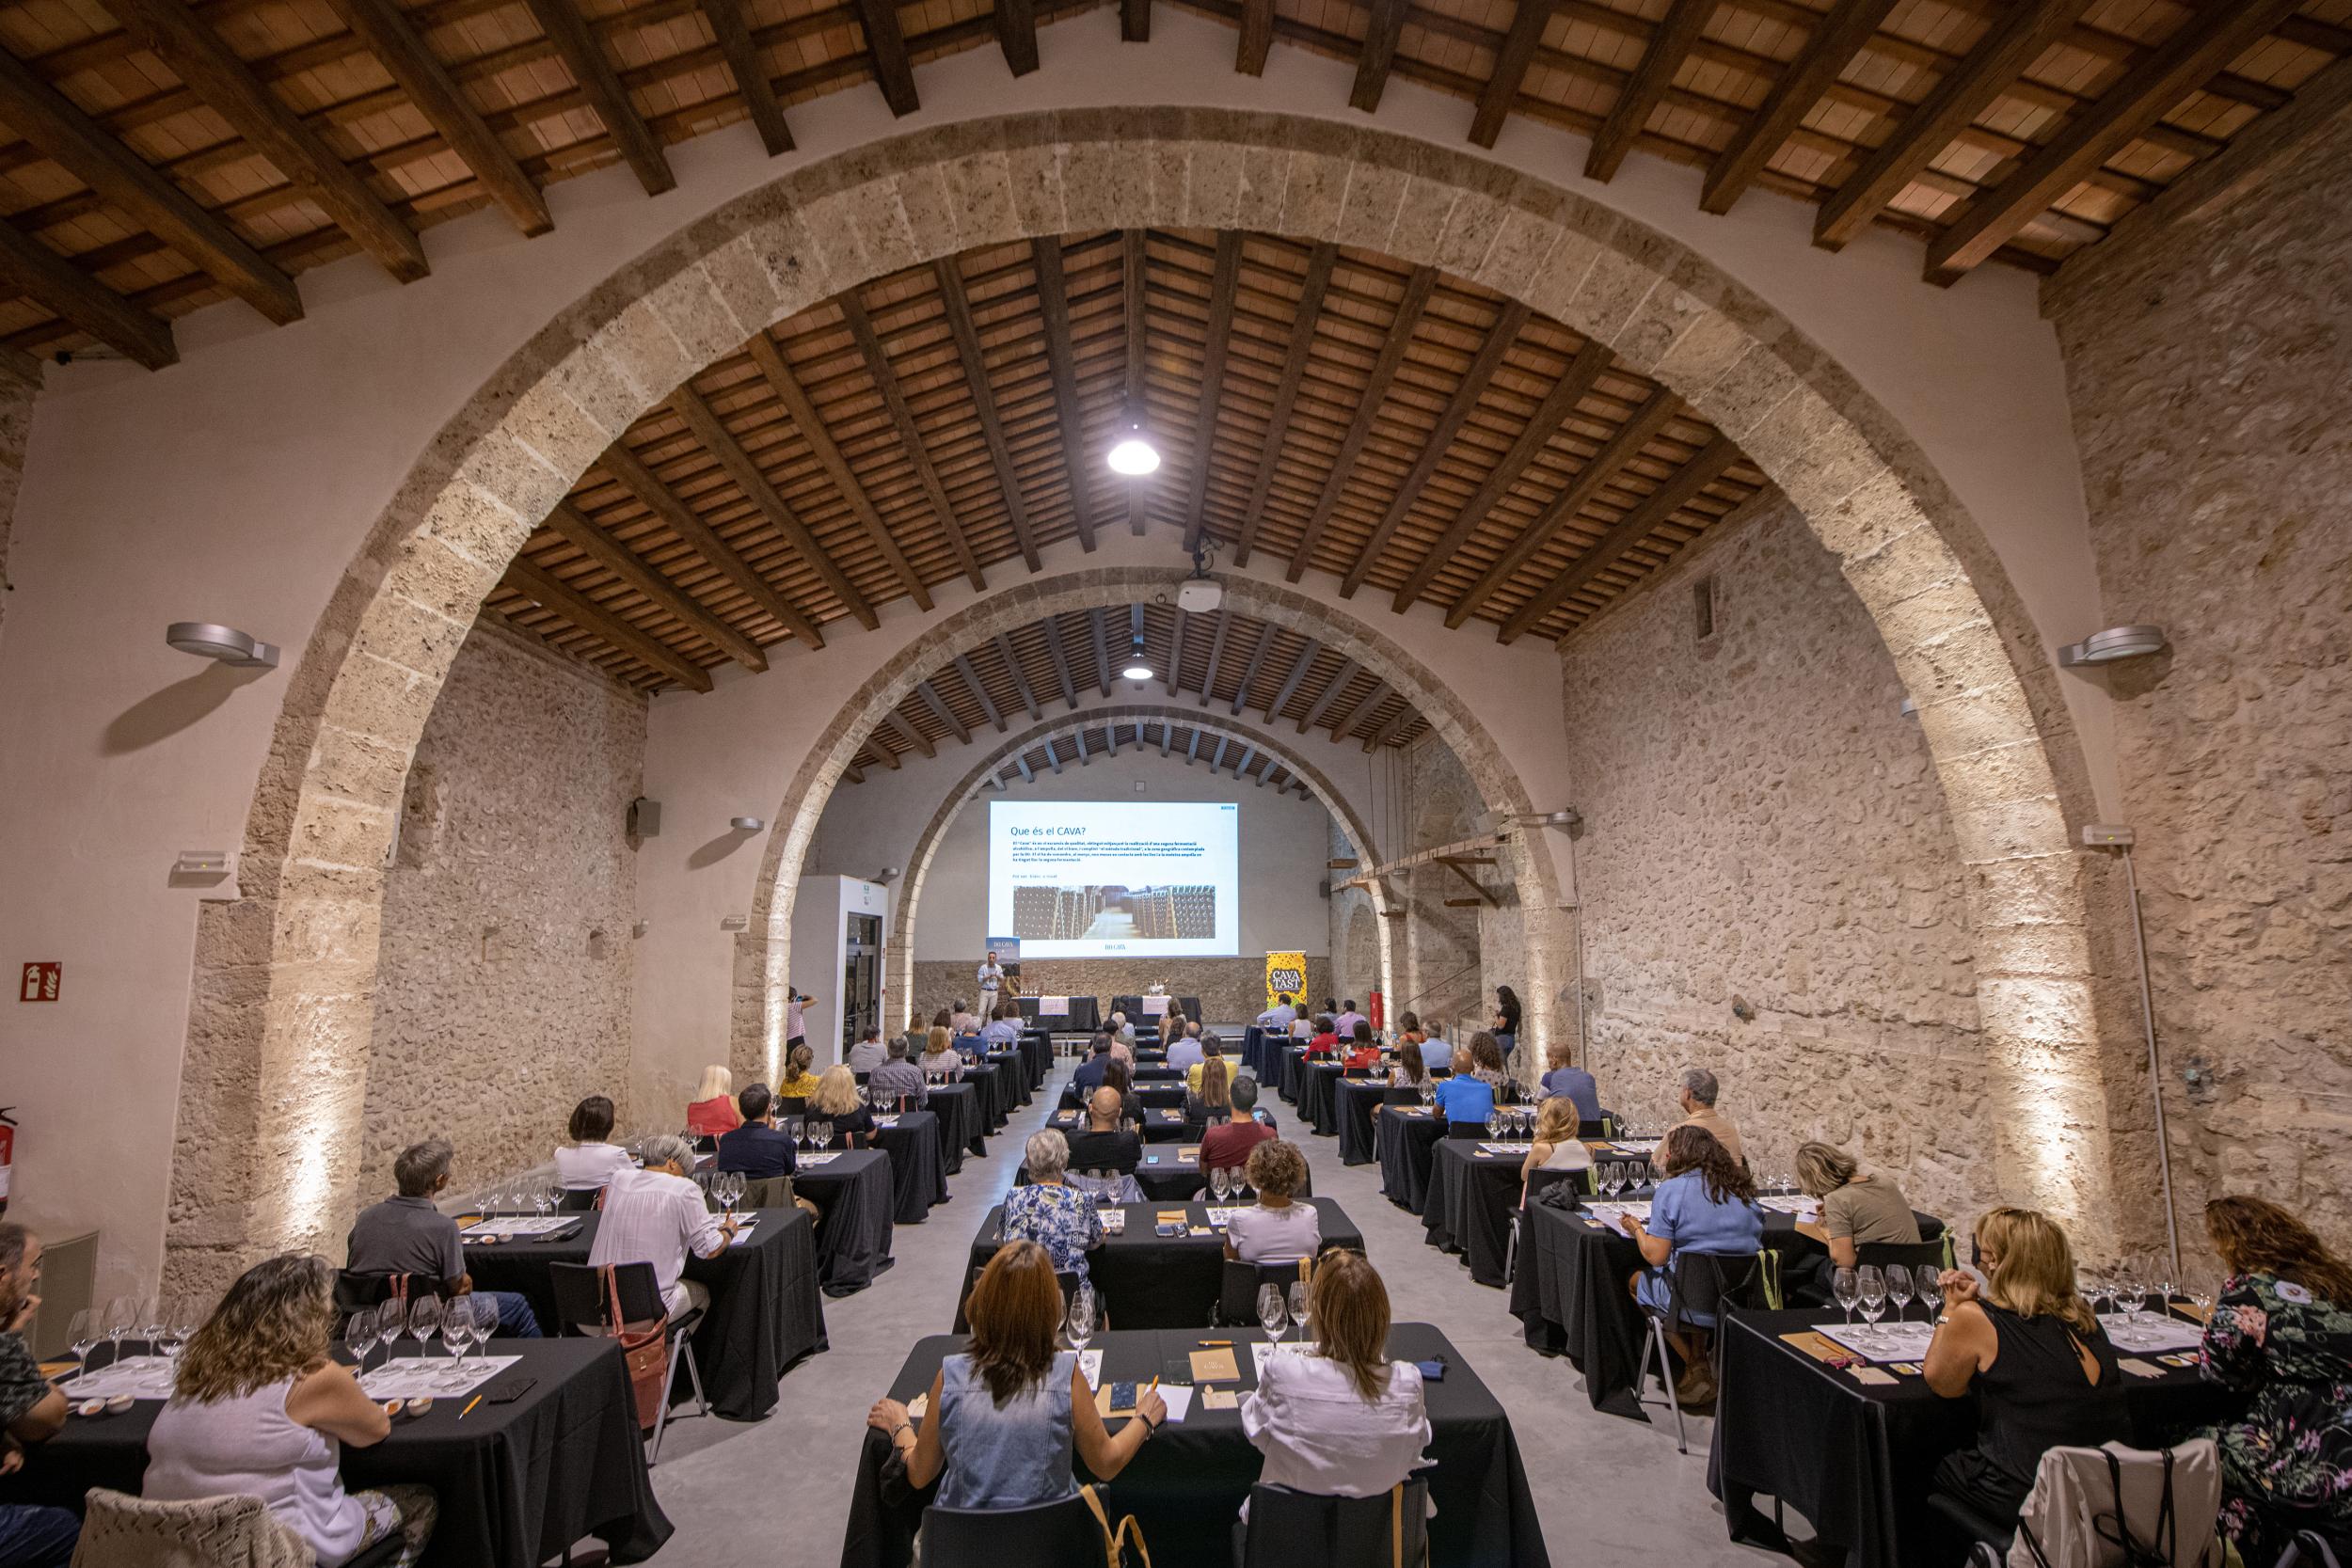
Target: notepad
(2139,1368)
(1214,1366)
(1871,1375)
(1221,1399)
(1187,1151)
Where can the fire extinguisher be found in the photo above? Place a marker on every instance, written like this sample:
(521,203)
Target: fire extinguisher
(1378,1012)
(8,1153)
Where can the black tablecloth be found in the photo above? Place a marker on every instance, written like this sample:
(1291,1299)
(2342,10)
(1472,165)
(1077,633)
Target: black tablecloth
(1162,1092)
(1317,1108)
(1855,1461)
(1406,1140)
(854,1190)
(1260,1052)
(765,1312)
(518,1484)
(1146,1281)
(1161,1124)
(1170,1174)
(918,1170)
(1471,1195)
(1352,1100)
(1294,1061)
(1186,1485)
(1036,1053)
(1085,1013)
(963,1128)
(1012,1077)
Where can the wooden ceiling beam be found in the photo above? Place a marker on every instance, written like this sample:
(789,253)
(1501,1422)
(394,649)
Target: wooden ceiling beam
(1680,489)
(732,32)
(1053,295)
(1344,717)
(1832,46)
(1620,449)
(1216,656)
(855,774)
(1340,678)
(1098,631)
(1019,678)
(1527,22)
(1293,681)
(227,85)
(1257,661)
(1224,285)
(979,689)
(1553,412)
(570,525)
(581,50)
(818,435)
(1079,734)
(1167,732)
(1016,34)
(1458,412)
(907,733)
(1021,760)
(1388,731)
(1192,751)
(1134,21)
(911,437)
(56,125)
(1061,662)
(559,599)
(1241,766)
(1052,756)
(1136,273)
(886,53)
(386,29)
(1394,348)
(1383,29)
(1302,341)
(682,521)
(2203,45)
(941,711)
(720,442)
(1176,655)
(1257,37)
(875,744)
(63,289)
(957,302)
(1669,46)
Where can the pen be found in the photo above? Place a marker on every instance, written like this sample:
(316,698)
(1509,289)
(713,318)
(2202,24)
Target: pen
(1213,1344)
(470,1404)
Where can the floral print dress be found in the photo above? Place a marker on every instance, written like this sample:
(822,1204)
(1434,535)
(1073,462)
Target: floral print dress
(2287,1464)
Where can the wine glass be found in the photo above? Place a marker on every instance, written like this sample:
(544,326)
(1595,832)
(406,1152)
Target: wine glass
(456,1333)
(1081,1316)
(1494,1123)
(1898,1289)
(1845,1290)
(1216,1184)
(1871,1281)
(1299,1308)
(87,1330)
(2131,1297)
(361,1333)
(539,1201)
(122,1318)
(425,1320)
(1273,1312)
(1930,1286)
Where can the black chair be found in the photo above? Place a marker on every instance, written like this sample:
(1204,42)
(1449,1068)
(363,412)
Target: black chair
(577,1200)
(797,1104)
(1063,1533)
(355,1291)
(1698,1284)
(1467,1129)
(1973,1531)
(1596,1127)
(1237,1298)
(1911,1255)
(1401,1094)
(2311,1550)
(1300,1529)
(581,1309)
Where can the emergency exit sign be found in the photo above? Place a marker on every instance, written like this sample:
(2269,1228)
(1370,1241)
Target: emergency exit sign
(41,982)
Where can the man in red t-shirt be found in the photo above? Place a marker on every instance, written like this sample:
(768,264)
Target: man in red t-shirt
(1227,1145)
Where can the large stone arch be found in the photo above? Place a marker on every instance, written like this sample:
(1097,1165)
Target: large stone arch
(282,1005)
(906,906)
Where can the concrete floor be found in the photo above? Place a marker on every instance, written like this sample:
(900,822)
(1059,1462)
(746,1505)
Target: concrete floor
(777,1492)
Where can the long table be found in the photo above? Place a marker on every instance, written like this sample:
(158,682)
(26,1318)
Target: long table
(918,1165)
(518,1484)
(1085,1013)
(1147,1280)
(1162,1092)
(1186,1485)
(1406,1137)
(1472,1195)
(855,1192)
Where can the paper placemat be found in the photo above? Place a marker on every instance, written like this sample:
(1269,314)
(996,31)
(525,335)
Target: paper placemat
(1090,1363)
(810,1160)
(142,1377)
(1221,1216)
(427,1376)
(1886,1341)
(1814,1345)
(2151,1333)
(1790,1206)
(1613,1214)
(1114,1222)
(743,1231)
(1260,1349)
(890,1121)
(1503,1148)
(518,1225)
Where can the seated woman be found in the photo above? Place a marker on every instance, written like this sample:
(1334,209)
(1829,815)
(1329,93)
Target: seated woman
(1007,1414)
(1362,1051)
(1325,1039)
(1122,1076)
(1565,1077)
(258,1407)
(1556,1145)
(1408,1029)
(1857,1205)
(1212,1049)
(1211,1101)
(798,1082)
(1470,1096)
(1344,1420)
(590,1161)
(2282,1334)
(2026,1344)
(940,1054)
(1048,1210)
(712,1111)
(840,1101)
(1705,1203)
(1278,1228)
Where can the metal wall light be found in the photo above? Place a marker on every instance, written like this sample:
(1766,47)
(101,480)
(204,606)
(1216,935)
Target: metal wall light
(746,824)
(237,649)
(2111,645)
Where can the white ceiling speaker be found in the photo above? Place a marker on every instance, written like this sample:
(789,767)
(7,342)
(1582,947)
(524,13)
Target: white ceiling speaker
(2114,643)
(238,650)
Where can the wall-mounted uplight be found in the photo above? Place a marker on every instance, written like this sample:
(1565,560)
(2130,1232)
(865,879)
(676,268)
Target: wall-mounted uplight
(237,649)
(2113,644)
(746,824)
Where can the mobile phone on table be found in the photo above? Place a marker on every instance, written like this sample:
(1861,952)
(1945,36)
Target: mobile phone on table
(1122,1396)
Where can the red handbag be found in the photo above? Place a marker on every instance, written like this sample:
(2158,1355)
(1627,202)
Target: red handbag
(645,1347)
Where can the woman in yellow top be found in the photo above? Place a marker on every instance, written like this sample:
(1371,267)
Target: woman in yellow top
(798,1082)
(1212,1049)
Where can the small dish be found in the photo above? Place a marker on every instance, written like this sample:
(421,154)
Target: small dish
(394,1407)
(91,1407)
(421,1406)
(120,1403)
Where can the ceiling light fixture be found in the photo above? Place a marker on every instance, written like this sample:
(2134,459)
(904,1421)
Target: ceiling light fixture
(237,649)
(1134,455)
(1138,668)
(2113,644)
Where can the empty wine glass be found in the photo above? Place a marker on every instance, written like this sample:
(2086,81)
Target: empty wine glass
(122,1318)
(1273,1311)
(1494,1123)
(1299,1308)
(86,1331)
(1898,1289)
(425,1320)
(1871,1282)
(1081,1316)
(540,1203)
(361,1333)
(456,1333)
(1929,1284)
(1845,1288)
(1216,1184)
(2131,1297)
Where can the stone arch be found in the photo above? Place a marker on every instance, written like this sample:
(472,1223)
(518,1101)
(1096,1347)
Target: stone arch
(273,1079)
(906,906)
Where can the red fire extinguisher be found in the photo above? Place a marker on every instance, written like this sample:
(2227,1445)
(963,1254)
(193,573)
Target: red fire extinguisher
(1378,1012)
(8,1153)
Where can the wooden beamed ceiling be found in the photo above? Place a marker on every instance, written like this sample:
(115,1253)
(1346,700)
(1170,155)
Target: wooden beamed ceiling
(1419,438)
(174,154)
(1177,742)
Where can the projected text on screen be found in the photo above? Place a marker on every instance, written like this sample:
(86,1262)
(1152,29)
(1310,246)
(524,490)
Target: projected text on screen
(1111,878)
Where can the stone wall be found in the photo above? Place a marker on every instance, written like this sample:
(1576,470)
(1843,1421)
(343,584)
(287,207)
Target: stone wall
(1231,990)
(2206,365)
(1769,884)
(506,965)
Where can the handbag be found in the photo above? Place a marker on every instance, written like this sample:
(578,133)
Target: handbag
(645,1348)
(1115,1540)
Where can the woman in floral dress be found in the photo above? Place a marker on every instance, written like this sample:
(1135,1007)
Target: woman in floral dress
(2281,1333)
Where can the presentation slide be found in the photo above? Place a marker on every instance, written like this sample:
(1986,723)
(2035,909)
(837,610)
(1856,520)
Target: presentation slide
(1113,879)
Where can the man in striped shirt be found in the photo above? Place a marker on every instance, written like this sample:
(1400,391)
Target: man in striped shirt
(657,1215)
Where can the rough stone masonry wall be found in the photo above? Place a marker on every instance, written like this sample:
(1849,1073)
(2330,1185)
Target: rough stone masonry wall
(2206,366)
(1764,835)
(506,967)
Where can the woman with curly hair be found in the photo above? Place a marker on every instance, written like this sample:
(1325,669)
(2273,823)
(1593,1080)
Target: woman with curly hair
(2282,1334)
(1705,1204)
(1278,1228)
(259,1408)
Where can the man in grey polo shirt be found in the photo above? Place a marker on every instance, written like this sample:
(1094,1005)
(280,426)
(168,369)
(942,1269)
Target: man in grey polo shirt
(410,1234)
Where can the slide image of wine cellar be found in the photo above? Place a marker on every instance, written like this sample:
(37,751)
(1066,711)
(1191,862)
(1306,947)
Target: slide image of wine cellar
(1110,912)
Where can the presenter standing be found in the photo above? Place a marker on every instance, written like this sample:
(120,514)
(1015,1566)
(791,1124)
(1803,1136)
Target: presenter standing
(992,978)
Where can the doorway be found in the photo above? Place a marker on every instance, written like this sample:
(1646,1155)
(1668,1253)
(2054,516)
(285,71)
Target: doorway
(861,979)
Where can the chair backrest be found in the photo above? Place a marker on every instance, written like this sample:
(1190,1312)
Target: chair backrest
(580,1302)
(1595,1127)
(1300,1530)
(1467,1129)
(1911,1255)
(1705,1282)
(797,1104)
(1237,1296)
(1403,1094)
(2117,1507)
(1106,1186)
(354,1290)
(768,1192)
(1063,1533)
(123,1531)
(577,1200)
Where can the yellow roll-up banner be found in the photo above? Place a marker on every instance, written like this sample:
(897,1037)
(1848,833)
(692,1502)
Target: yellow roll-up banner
(1285,975)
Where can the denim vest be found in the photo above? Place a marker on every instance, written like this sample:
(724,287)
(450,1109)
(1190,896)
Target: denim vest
(1004,1456)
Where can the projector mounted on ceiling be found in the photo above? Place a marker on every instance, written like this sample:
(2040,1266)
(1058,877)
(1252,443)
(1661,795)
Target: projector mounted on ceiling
(1199,593)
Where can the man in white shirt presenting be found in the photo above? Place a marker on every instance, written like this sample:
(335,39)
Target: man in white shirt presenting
(992,978)
(657,1215)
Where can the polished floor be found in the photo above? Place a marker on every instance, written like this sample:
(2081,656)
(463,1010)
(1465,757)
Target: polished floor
(777,1492)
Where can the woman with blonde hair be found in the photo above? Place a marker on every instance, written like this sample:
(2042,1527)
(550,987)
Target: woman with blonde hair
(259,1408)
(839,1101)
(1556,1145)
(2028,1346)
(1857,1205)
(1212,1100)
(938,1055)
(1345,1420)
(799,1081)
(712,1111)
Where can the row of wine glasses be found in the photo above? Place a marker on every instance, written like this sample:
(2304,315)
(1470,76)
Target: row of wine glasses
(1611,1177)
(1873,1289)
(162,1324)
(1222,1183)
(1512,1123)
(809,1135)
(727,1187)
(1276,1309)
(521,1194)
(460,1322)
(2130,1294)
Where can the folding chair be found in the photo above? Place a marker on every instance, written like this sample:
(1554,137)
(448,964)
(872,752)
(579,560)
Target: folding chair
(1300,1530)
(1064,1533)
(1237,1296)
(2089,1507)
(1696,1285)
(1910,1254)
(2311,1550)
(580,1309)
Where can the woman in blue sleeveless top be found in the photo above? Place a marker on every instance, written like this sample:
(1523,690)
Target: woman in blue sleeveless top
(1005,1414)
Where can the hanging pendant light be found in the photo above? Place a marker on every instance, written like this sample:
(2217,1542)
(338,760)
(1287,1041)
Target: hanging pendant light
(1132,455)
(1138,668)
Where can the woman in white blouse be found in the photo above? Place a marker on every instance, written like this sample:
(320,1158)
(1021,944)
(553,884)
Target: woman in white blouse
(1556,1145)
(588,1162)
(1344,1420)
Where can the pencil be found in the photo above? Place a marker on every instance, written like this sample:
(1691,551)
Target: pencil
(1212,1344)
(470,1404)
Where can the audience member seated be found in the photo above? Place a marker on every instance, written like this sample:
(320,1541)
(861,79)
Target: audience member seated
(30,1411)
(1214,1100)
(1705,1204)
(962,1020)
(1185,1050)
(938,1055)
(1412,1069)
(1470,1096)
(712,1110)
(1003,1031)
(2282,1335)
(1340,1421)
(758,1148)
(1004,1415)
(1556,1145)
(868,1053)
(1227,1145)
(1697,1098)
(1281,1016)
(1211,1048)
(410,1234)
(1566,1077)
(1122,1078)
(1123,1032)
(1325,1039)
(1343,1023)
(1409,1028)
(1303,1028)
(1088,1076)
(1048,1210)
(259,1408)
(1437,1052)
(657,1215)
(898,1080)
(1105,1145)
(2026,1344)
(839,1101)
(1362,1051)
(1277,1229)
(799,1081)
(589,1161)
(1857,1205)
